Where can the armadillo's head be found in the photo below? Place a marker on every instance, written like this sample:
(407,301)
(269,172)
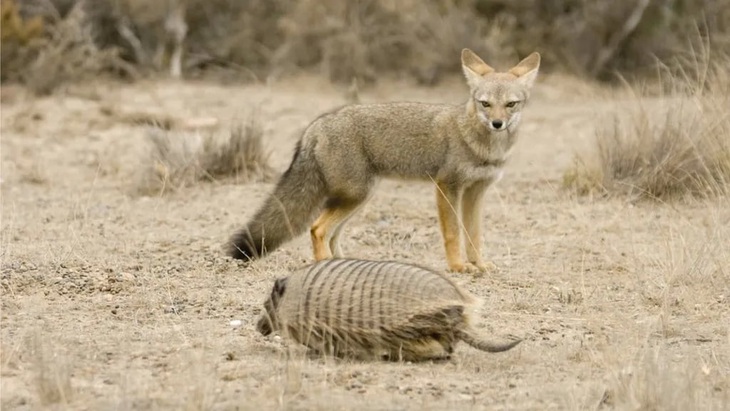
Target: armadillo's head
(269,322)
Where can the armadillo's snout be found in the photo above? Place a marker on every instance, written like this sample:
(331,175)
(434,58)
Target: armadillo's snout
(264,325)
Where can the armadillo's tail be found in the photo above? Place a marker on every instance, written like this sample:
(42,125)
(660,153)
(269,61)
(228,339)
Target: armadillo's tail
(490,346)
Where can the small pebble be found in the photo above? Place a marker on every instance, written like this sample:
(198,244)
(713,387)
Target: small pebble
(236,323)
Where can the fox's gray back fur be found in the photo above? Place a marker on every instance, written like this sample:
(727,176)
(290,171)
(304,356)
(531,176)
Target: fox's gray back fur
(373,309)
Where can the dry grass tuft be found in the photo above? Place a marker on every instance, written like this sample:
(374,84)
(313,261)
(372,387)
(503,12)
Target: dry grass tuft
(181,159)
(173,162)
(668,147)
(584,178)
(241,155)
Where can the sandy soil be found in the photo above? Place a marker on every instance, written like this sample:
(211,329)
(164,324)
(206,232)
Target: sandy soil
(113,300)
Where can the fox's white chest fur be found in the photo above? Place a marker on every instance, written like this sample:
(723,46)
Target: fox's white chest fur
(483,173)
(491,152)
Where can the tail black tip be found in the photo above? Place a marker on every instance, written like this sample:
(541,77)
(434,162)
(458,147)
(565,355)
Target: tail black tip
(243,247)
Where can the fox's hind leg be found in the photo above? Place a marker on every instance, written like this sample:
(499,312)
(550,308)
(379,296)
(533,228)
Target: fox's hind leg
(328,226)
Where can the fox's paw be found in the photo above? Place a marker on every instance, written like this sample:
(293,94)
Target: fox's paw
(484,267)
(457,267)
(477,268)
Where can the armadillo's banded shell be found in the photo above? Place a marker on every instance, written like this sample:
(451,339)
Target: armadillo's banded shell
(364,301)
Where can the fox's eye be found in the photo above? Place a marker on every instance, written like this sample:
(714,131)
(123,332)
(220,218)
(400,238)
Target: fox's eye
(485,104)
(512,104)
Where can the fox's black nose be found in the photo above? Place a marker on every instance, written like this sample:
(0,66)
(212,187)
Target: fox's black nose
(497,124)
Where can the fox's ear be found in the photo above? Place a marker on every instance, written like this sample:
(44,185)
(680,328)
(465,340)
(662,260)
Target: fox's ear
(526,70)
(474,67)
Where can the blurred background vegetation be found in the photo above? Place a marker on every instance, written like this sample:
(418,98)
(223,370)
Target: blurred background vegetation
(46,43)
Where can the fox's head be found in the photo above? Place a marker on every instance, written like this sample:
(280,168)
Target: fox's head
(499,97)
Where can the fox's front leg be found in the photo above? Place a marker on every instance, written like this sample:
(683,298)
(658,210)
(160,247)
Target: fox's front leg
(472,215)
(448,199)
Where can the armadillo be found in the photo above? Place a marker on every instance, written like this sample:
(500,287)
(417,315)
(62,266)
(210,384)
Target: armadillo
(373,310)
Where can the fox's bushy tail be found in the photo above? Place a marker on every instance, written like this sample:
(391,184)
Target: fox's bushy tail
(287,212)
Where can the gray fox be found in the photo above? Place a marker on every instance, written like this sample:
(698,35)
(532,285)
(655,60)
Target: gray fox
(462,148)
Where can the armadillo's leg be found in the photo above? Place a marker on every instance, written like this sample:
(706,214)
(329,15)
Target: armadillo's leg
(471,204)
(313,338)
(448,199)
(419,350)
(336,212)
(447,341)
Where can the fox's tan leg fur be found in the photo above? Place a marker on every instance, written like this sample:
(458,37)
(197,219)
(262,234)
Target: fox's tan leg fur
(448,201)
(472,215)
(329,223)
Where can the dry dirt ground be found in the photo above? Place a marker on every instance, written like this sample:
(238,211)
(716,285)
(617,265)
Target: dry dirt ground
(115,300)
